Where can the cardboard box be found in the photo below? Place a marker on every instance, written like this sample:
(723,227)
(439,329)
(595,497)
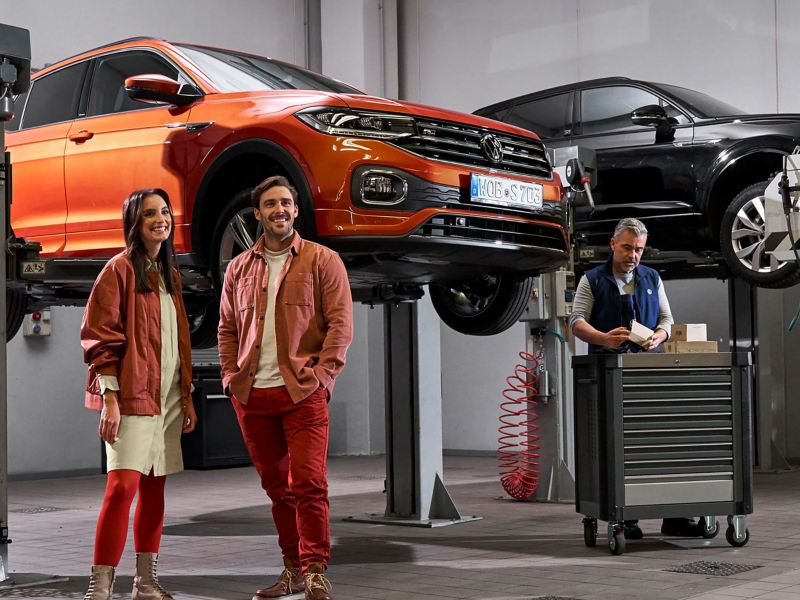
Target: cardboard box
(688,332)
(681,346)
(639,333)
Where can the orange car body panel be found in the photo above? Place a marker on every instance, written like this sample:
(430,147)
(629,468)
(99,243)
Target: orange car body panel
(68,194)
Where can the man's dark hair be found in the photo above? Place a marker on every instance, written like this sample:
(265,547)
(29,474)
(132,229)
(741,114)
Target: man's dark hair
(269,183)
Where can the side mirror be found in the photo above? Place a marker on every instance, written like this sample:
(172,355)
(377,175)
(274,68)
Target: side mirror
(652,114)
(156,89)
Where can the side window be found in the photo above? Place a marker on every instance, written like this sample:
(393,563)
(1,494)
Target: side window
(19,104)
(54,98)
(609,109)
(548,117)
(108,84)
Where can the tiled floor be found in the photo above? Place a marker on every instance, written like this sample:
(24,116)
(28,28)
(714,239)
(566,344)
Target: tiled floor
(219,543)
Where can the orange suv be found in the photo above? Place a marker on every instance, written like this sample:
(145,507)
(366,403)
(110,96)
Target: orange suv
(409,195)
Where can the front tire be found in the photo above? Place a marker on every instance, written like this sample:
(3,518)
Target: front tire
(483,306)
(742,240)
(236,231)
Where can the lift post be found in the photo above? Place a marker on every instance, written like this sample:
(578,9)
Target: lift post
(415,490)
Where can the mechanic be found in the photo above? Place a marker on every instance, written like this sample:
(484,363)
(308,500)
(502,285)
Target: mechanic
(286,321)
(609,297)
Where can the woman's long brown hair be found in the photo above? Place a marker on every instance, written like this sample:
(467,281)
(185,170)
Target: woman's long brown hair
(131,226)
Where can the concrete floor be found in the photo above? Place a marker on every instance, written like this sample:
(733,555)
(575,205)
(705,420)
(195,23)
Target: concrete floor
(219,543)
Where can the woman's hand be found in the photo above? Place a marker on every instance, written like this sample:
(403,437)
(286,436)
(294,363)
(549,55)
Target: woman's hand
(189,418)
(109,417)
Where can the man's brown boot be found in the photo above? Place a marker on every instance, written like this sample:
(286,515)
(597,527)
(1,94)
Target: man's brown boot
(289,582)
(317,585)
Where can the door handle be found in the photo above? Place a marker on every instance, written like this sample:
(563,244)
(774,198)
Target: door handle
(81,136)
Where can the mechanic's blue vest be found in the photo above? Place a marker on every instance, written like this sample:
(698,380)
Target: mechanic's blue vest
(607,311)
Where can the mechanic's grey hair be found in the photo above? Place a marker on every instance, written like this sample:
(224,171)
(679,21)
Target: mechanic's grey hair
(635,226)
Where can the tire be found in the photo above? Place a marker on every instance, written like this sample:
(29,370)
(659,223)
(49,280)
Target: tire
(203,322)
(590,533)
(16,303)
(730,536)
(484,306)
(616,543)
(742,242)
(236,231)
(705,532)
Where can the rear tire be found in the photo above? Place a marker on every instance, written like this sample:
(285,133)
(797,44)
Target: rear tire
(742,240)
(16,303)
(483,306)
(203,323)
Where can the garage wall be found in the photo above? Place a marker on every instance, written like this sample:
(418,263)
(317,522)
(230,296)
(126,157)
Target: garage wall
(60,29)
(465,54)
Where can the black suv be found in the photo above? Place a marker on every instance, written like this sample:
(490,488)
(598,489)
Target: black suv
(693,168)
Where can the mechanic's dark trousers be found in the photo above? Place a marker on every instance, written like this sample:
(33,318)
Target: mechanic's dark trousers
(288,443)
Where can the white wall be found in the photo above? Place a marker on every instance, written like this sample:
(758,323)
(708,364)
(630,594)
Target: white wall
(49,431)
(60,29)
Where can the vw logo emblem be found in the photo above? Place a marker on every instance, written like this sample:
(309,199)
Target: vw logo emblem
(492,148)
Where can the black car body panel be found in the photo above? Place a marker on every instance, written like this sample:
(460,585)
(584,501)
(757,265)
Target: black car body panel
(679,177)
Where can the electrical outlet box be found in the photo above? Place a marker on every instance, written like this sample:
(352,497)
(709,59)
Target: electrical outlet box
(37,324)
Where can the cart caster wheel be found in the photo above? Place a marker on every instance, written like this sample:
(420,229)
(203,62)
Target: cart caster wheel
(708,533)
(590,532)
(730,536)
(616,543)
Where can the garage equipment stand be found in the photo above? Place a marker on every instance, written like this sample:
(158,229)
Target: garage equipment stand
(663,435)
(15,58)
(415,490)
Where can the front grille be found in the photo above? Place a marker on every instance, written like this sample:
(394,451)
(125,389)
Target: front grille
(482,229)
(460,144)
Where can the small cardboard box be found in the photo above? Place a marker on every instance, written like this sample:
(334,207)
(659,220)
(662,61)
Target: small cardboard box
(639,333)
(688,332)
(681,346)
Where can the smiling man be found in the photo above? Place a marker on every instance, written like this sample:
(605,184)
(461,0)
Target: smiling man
(286,321)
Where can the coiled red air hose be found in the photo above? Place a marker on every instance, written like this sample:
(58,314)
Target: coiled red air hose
(518,450)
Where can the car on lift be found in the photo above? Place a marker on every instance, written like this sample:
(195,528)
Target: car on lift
(692,168)
(409,195)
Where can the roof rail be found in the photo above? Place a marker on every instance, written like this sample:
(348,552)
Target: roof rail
(138,38)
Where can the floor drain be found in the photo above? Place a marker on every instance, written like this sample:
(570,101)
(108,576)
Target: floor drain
(705,567)
(35,510)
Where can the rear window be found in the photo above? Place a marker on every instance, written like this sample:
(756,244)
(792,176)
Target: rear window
(548,117)
(54,97)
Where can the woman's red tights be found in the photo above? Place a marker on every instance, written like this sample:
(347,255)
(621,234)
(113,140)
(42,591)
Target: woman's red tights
(112,525)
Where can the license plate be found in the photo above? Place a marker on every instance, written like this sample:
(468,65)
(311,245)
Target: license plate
(500,191)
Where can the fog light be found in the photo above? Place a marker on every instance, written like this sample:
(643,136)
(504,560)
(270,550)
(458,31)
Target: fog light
(383,187)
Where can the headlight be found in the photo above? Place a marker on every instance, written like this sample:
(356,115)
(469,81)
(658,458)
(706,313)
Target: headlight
(347,122)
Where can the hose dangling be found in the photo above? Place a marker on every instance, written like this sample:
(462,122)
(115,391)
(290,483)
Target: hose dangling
(518,455)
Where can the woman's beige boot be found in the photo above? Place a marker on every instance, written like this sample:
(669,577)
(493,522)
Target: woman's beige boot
(101,583)
(145,582)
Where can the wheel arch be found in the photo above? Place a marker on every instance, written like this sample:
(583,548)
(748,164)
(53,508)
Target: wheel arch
(244,163)
(740,172)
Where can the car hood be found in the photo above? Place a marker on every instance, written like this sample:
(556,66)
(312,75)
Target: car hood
(376,103)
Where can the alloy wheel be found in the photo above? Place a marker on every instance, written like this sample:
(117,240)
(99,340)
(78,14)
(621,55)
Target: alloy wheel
(748,239)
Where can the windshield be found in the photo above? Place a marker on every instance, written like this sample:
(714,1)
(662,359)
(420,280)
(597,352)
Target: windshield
(702,105)
(239,72)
